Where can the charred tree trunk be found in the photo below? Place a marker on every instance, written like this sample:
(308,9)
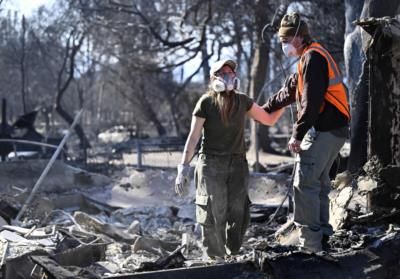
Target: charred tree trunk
(360,123)
(359,120)
(258,75)
(150,113)
(381,41)
(384,93)
(62,86)
(22,65)
(206,67)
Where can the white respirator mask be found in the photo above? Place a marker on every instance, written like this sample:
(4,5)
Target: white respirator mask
(225,83)
(289,50)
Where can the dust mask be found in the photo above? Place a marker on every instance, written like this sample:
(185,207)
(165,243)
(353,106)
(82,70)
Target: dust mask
(289,50)
(225,83)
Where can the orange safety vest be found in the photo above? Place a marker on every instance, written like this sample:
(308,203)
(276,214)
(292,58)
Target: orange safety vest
(336,93)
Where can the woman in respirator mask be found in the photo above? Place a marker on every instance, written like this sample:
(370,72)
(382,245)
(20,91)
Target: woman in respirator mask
(221,174)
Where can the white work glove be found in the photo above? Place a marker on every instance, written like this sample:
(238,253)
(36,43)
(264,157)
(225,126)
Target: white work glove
(294,145)
(182,180)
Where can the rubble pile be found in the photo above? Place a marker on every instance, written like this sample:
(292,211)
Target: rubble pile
(357,252)
(366,241)
(84,225)
(91,226)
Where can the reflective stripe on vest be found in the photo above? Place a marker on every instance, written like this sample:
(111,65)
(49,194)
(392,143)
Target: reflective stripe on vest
(337,78)
(336,93)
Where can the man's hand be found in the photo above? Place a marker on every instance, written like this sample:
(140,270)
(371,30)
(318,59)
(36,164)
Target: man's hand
(294,145)
(182,180)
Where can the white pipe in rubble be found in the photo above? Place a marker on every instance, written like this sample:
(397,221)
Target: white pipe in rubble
(49,165)
(29,142)
(3,257)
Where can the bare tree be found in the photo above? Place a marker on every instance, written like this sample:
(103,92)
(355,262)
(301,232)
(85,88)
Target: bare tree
(259,69)
(15,55)
(161,38)
(73,44)
(22,63)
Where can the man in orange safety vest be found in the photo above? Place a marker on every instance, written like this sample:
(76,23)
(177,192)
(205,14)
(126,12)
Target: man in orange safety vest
(319,132)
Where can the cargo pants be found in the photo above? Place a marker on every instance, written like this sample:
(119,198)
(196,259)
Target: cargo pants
(222,203)
(312,186)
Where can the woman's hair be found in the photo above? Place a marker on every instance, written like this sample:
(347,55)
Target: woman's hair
(226,102)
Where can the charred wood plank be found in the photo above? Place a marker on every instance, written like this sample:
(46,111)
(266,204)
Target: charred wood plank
(231,270)
(22,266)
(381,261)
(52,267)
(53,270)
(81,256)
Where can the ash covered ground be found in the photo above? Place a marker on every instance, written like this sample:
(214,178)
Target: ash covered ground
(131,222)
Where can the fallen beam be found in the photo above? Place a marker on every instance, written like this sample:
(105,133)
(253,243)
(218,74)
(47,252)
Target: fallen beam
(230,270)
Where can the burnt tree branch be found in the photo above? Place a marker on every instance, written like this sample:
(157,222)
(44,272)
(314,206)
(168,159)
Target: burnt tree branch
(73,44)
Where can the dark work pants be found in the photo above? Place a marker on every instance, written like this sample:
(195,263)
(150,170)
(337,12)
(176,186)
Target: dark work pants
(222,203)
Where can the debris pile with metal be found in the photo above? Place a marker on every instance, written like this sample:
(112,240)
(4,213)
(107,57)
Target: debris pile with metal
(85,225)
(366,241)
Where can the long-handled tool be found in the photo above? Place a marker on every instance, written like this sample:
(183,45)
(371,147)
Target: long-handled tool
(47,169)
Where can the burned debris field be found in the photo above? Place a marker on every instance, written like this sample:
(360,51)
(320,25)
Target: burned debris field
(200,139)
(131,225)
